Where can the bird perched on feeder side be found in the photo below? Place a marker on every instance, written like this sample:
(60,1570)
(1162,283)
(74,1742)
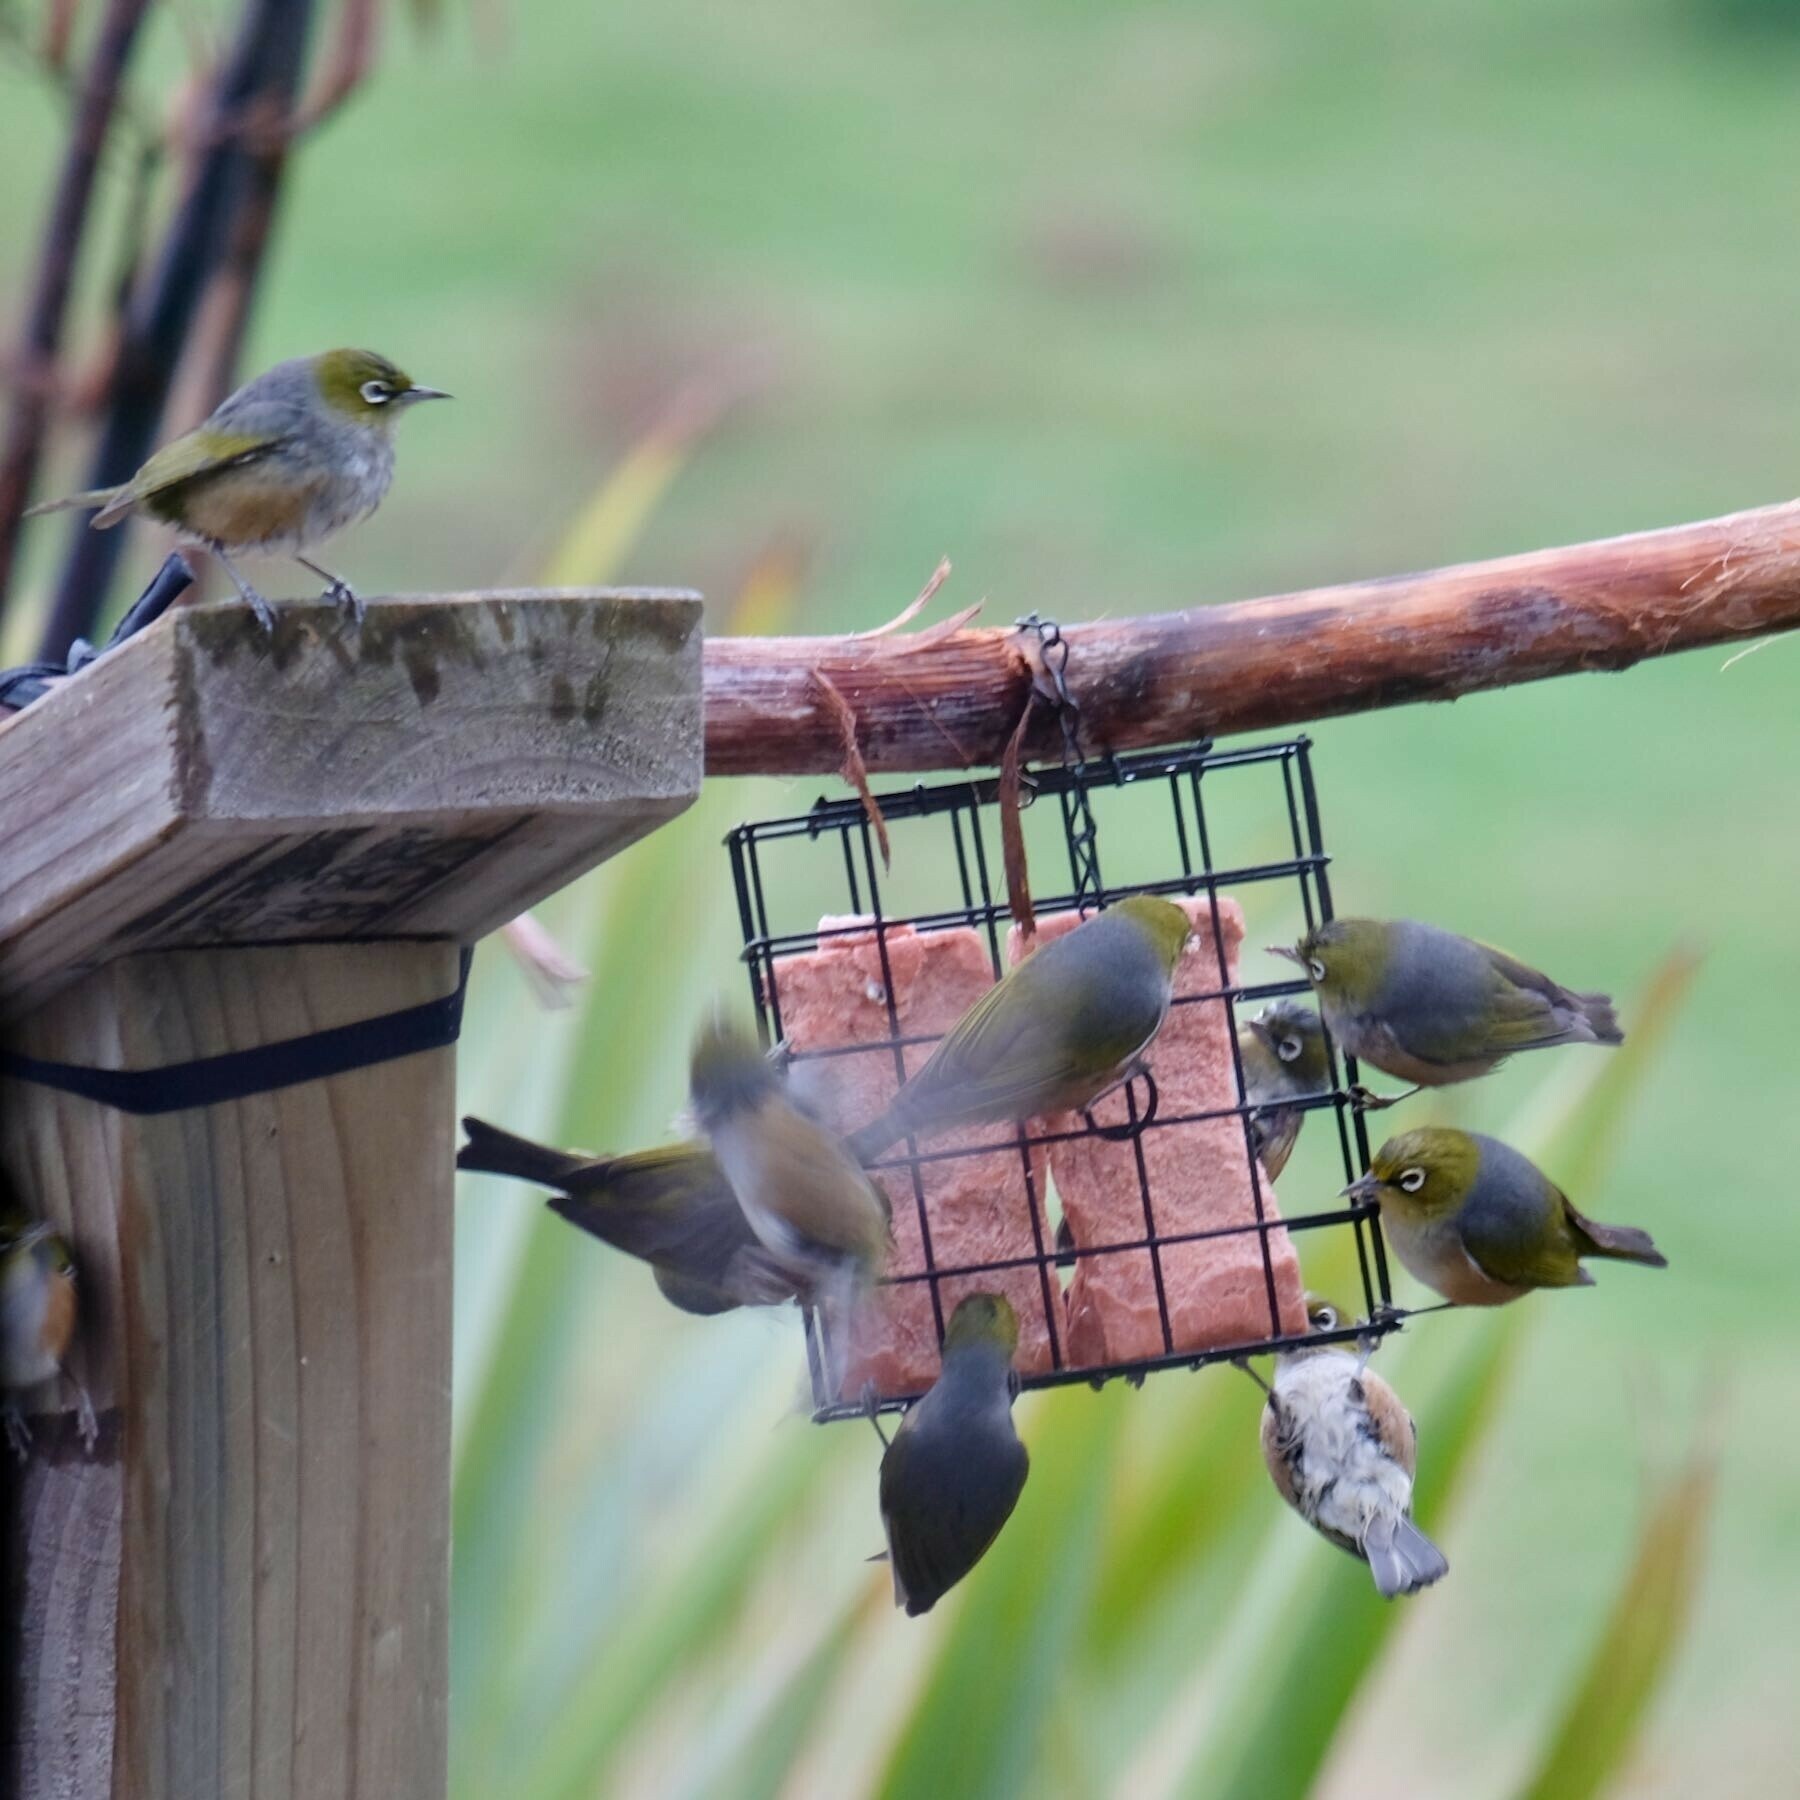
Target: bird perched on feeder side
(671,1207)
(291,457)
(1070,1022)
(1433,1008)
(1480,1224)
(1342,1451)
(821,1222)
(1284,1057)
(38,1316)
(955,1470)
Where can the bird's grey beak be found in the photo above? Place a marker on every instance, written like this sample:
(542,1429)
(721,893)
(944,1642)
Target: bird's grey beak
(1367,1188)
(1286,953)
(425,393)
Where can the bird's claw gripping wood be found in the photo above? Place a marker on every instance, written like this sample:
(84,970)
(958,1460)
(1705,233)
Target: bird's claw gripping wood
(18,1431)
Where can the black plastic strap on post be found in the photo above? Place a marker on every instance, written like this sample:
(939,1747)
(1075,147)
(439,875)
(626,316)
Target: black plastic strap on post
(212,1080)
(32,681)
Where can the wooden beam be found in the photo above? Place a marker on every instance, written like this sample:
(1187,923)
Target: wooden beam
(244,1589)
(952,702)
(430,775)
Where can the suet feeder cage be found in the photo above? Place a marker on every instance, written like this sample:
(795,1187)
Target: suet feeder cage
(1172,1250)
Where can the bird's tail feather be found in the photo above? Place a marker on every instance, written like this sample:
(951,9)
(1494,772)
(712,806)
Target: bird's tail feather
(1625,1243)
(94,497)
(491,1151)
(1402,1558)
(1597,1014)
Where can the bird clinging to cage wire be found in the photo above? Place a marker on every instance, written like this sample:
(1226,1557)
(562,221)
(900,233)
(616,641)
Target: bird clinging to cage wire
(38,1318)
(1069,1023)
(1283,1055)
(1433,1008)
(1342,1451)
(1481,1224)
(955,1469)
(670,1206)
(821,1222)
(290,458)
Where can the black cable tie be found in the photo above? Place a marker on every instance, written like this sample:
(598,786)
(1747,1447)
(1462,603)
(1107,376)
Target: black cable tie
(32,681)
(213,1080)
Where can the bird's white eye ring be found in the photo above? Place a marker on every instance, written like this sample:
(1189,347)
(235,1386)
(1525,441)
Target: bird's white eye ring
(376,393)
(1411,1180)
(1288,1049)
(1324,1318)
(1315,968)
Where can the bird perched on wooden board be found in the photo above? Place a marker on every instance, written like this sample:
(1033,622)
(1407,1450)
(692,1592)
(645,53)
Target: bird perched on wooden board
(1433,1008)
(1342,1451)
(1069,1023)
(1283,1055)
(293,456)
(1481,1224)
(955,1469)
(38,1318)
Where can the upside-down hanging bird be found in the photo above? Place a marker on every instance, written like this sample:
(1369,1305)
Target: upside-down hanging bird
(1481,1224)
(293,456)
(955,1470)
(1342,1451)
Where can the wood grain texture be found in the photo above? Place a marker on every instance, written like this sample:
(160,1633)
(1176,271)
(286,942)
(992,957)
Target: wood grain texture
(431,774)
(952,702)
(245,1593)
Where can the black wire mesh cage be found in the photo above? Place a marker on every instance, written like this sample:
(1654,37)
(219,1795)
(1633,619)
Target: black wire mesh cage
(1170,1249)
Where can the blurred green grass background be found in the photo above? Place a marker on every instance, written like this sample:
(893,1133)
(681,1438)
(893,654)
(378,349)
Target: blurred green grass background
(1126,307)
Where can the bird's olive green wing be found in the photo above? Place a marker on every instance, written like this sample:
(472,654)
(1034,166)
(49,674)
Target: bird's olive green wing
(1526,1009)
(202,452)
(1007,1058)
(1524,1252)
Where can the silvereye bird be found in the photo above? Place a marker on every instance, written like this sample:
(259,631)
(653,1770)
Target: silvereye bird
(672,1207)
(1066,1025)
(1432,1007)
(1284,1058)
(1342,1450)
(1480,1224)
(955,1470)
(291,457)
(38,1315)
(822,1223)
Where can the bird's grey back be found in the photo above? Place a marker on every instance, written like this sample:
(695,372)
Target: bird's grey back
(974,1390)
(1509,1193)
(1436,987)
(1111,957)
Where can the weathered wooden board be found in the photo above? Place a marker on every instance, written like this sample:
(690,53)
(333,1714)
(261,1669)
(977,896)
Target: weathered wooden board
(429,774)
(244,1591)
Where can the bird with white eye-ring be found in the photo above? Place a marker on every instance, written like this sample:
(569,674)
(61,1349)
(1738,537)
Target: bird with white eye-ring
(1341,1450)
(293,456)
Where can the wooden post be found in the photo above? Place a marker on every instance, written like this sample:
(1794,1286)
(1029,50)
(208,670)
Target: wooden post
(216,843)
